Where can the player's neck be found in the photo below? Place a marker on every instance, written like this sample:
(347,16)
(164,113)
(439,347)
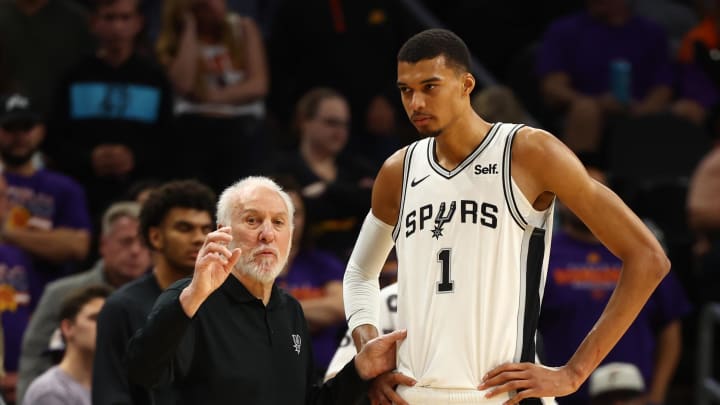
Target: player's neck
(459,139)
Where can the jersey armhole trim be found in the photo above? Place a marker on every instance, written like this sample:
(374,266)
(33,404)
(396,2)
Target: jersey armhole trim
(507,179)
(406,172)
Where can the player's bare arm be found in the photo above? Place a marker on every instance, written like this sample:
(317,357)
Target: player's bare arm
(544,167)
(387,188)
(385,207)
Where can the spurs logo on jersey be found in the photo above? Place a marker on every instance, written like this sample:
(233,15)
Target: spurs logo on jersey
(472,256)
(469,213)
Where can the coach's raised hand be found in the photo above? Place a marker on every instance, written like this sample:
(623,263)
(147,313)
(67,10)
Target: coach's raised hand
(212,267)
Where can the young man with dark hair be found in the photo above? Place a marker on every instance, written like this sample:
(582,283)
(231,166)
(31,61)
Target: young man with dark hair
(173,222)
(70,381)
(469,210)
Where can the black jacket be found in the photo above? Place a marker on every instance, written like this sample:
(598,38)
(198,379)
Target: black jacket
(235,350)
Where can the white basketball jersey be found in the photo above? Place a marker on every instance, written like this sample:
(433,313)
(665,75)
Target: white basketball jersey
(472,254)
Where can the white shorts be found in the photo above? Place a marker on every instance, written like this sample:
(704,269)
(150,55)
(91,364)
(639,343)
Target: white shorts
(434,396)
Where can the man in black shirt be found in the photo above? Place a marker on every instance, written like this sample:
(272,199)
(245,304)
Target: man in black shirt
(112,111)
(222,339)
(173,222)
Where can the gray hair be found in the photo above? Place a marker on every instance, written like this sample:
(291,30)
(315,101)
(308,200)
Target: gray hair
(130,209)
(231,195)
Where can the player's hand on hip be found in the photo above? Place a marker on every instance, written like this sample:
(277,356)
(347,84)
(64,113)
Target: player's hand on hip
(529,380)
(382,388)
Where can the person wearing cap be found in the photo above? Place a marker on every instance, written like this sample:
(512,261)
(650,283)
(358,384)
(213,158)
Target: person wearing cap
(617,384)
(47,219)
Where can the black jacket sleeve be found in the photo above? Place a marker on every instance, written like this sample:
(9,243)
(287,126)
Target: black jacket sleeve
(114,328)
(153,349)
(345,388)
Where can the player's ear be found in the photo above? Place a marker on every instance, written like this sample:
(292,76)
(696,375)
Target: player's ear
(468,83)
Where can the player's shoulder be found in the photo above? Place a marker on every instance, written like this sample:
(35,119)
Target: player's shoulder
(532,143)
(391,172)
(395,162)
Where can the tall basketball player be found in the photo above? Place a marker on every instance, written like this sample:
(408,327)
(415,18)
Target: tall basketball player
(469,209)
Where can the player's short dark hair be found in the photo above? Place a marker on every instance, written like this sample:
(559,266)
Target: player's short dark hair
(77,299)
(175,194)
(436,42)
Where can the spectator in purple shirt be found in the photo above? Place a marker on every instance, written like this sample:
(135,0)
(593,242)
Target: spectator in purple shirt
(603,61)
(582,275)
(47,219)
(14,267)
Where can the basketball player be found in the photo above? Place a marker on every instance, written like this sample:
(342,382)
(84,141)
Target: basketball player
(469,209)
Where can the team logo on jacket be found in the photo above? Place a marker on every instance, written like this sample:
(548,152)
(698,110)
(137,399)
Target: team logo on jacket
(297,342)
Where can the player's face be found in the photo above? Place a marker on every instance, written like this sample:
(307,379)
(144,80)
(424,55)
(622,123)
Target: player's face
(432,94)
(180,236)
(262,228)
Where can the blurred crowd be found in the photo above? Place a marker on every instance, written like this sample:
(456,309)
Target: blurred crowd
(122,120)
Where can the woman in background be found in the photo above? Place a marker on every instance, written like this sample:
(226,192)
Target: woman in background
(217,64)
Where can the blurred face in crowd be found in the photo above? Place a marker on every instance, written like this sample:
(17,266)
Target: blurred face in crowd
(19,140)
(262,228)
(209,13)
(81,331)
(298,218)
(329,129)
(433,93)
(179,237)
(116,24)
(124,254)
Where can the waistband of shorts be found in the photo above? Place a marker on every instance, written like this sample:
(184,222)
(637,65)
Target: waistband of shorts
(426,395)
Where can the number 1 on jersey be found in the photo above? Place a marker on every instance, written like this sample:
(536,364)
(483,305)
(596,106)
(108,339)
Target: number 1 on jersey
(445,285)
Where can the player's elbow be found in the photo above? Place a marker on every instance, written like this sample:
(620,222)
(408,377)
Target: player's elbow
(657,263)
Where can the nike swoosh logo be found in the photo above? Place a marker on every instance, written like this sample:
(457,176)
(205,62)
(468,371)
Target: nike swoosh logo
(414,182)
